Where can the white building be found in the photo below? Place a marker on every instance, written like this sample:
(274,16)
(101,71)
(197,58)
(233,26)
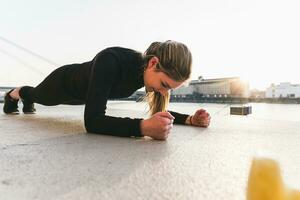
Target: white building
(283,90)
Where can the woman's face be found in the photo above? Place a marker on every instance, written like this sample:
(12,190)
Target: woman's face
(158,81)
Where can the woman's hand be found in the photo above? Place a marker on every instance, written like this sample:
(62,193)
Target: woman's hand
(201,118)
(158,126)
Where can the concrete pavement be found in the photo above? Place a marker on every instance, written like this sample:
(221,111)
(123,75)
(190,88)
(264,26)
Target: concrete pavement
(49,156)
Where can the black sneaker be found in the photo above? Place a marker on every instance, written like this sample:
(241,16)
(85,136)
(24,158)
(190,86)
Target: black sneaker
(28,107)
(10,104)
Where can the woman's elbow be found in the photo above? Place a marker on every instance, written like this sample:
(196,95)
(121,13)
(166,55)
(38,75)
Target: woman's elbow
(92,127)
(88,127)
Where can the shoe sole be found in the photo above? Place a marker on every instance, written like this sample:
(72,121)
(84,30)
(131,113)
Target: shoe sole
(13,113)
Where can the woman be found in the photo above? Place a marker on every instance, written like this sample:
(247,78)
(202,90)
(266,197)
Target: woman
(115,73)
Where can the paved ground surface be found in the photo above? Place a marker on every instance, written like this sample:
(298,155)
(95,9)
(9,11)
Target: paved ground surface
(49,156)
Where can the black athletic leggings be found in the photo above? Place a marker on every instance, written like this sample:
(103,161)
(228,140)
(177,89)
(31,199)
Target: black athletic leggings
(51,90)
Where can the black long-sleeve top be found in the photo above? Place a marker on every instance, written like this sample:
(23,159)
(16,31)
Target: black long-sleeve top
(114,73)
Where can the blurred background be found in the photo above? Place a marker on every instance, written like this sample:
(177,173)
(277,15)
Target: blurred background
(257,41)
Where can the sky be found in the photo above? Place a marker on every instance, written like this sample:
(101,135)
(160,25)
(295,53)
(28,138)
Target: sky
(256,40)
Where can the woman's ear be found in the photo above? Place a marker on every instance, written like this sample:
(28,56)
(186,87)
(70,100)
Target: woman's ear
(153,62)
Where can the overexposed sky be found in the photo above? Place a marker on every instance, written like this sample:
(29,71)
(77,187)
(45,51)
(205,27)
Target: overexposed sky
(258,40)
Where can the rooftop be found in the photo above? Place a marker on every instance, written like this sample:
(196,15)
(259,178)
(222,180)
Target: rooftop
(214,80)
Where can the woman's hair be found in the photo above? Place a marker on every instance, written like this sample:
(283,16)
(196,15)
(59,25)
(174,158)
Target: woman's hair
(175,60)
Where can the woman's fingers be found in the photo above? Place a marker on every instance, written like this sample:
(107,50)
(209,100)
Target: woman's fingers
(169,127)
(167,115)
(199,112)
(202,121)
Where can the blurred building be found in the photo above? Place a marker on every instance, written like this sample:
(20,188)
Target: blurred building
(283,90)
(257,93)
(183,91)
(221,87)
(2,96)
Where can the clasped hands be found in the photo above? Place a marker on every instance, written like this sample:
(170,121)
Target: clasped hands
(160,124)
